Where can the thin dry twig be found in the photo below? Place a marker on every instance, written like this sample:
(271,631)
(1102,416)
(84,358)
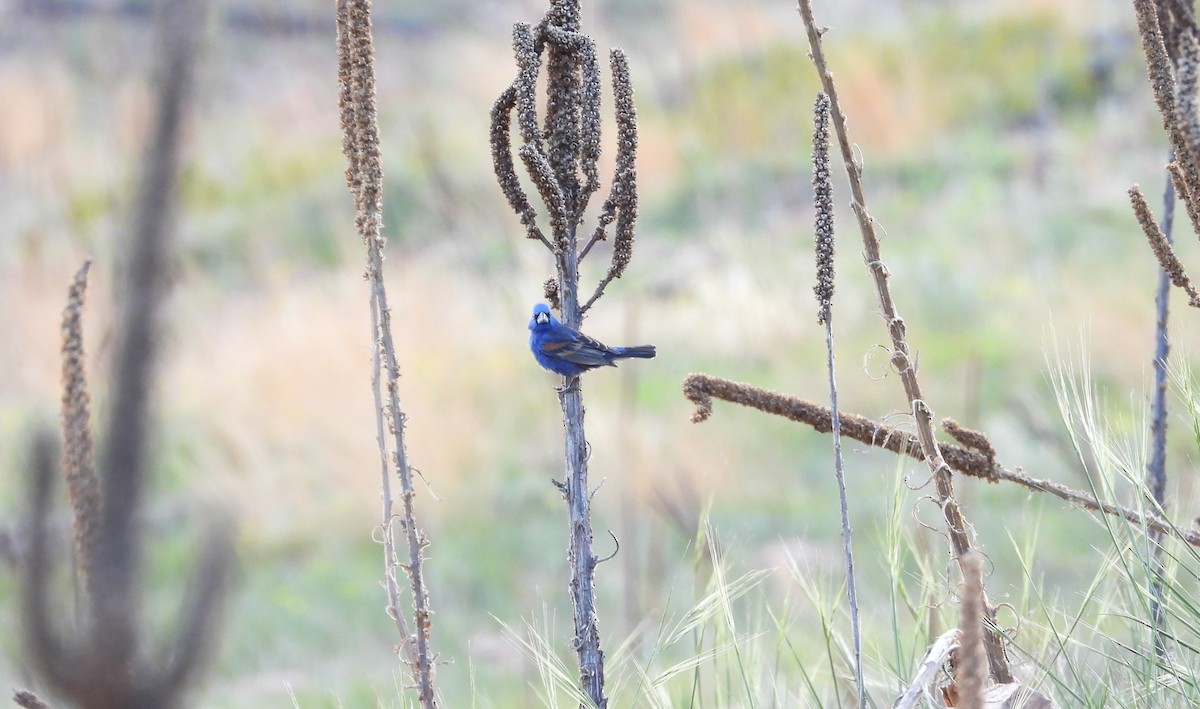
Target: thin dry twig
(701,389)
(901,358)
(364,176)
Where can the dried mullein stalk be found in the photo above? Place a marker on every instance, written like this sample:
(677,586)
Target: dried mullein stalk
(364,176)
(823,239)
(560,154)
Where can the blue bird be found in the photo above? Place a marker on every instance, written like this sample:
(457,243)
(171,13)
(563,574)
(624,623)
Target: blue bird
(566,351)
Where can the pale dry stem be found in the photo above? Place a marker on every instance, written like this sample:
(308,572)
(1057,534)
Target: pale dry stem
(956,524)
(561,158)
(701,389)
(970,672)
(364,176)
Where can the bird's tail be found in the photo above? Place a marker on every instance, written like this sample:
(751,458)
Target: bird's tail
(640,352)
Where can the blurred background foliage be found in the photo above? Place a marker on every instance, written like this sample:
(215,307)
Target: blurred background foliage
(998,138)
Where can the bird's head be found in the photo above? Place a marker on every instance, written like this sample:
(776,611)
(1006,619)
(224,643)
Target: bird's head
(541,316)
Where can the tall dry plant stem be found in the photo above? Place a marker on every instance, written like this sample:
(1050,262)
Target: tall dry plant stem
(902,361)
(364,175)
(823,237)
(561,155)
(970,672)
(108,666)
(1156,465)
(1169,42)
(974,458)
(1170,271)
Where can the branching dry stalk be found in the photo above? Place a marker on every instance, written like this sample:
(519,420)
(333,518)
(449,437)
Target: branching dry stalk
(108,665)
(561,153)
(901,358)
(701,389)
(364,176)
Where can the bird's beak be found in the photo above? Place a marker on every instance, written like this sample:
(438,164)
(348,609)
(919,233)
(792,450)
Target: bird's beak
(542,318)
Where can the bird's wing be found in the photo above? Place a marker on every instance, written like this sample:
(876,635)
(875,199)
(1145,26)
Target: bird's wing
(575,347)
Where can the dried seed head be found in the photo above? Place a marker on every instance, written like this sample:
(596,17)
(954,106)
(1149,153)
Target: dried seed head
(975,440)
(527,51)
(502,163)
(823,203)
(1158,62)
(550,289)
(360,127)
(624,189)
(621,205)
(1188,76)
(79,466)
(1162,248)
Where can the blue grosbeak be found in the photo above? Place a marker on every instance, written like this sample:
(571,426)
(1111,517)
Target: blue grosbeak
(566,351)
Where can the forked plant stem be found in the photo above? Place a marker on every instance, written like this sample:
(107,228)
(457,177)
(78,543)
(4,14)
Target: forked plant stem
(956,524)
